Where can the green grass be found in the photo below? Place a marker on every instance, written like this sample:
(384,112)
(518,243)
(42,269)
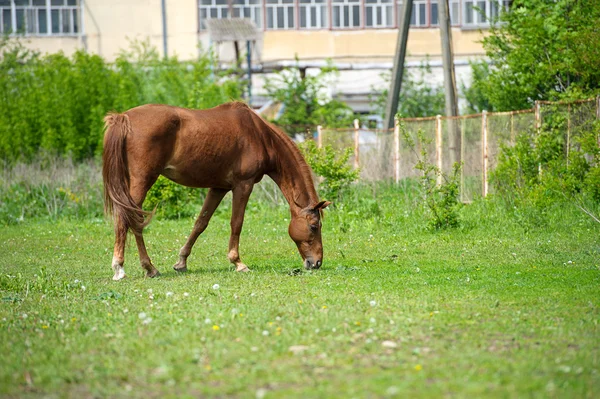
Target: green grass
(506,306)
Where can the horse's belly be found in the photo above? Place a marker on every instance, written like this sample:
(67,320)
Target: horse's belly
(200,175)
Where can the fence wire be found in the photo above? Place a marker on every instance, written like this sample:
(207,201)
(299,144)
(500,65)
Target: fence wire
(475,140)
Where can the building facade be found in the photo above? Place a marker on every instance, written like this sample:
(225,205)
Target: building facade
(358,35)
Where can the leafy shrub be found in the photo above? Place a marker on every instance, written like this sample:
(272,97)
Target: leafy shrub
(441,200)
(305,100)
(55,104)
(172,200)
(332,166)
(536,172)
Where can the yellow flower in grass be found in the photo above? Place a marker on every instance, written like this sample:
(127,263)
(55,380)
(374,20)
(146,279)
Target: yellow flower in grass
(44,326)
(216,327)
(418,367)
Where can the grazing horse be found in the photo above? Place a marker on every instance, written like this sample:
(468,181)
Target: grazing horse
(226,148)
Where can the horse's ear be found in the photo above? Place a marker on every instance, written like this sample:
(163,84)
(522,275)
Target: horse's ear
(321,205)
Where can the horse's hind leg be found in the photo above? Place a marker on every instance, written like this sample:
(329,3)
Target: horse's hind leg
(211,202)
(138,193)
(119,252)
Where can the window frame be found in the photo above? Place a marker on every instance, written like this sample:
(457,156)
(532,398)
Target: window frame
(25,18)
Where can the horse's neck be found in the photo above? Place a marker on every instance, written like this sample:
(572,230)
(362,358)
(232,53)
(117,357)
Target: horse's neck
(293,178)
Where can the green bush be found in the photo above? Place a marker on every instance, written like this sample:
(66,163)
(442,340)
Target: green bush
(441,201)
(331,166)
(537,173)
(172,200)
(55,104)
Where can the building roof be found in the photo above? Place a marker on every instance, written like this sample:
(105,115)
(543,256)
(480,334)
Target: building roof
(232,29)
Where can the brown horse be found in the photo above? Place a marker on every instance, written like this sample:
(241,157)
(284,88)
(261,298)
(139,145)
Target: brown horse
(226,148)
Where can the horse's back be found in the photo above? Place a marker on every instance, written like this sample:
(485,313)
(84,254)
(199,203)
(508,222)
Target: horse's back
(201,148)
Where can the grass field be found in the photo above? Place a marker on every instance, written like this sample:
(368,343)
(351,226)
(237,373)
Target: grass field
(505,306)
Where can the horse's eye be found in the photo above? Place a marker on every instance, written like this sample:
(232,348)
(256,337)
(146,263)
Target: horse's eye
(314,227)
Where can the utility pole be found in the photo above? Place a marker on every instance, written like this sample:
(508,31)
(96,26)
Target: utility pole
(164,26)
(397,72)
(454,138)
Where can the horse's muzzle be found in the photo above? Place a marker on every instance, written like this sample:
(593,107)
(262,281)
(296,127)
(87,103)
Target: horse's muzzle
(310,265)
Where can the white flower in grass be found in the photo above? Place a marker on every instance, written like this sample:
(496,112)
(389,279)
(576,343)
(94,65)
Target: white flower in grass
(216,287)
(83,288)
(142,315)
(24,315)
(147,320)
(207,321)
(169,293)
(373,303)
(149,290)
(265,333)
(185,294)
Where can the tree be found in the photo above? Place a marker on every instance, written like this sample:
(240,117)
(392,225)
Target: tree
(305,100)
(543,50)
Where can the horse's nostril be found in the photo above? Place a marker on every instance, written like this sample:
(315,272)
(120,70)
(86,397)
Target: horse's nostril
(319,263)
(307,264)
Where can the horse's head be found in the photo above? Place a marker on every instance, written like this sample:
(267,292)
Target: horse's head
(305,230)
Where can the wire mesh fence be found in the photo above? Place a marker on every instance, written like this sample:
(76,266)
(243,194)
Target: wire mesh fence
(475,140)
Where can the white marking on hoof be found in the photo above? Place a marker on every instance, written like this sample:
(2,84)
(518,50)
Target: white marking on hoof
(119,270)
(241,268)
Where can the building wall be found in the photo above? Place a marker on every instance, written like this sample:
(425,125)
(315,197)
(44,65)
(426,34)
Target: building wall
(365,45)
(110,25)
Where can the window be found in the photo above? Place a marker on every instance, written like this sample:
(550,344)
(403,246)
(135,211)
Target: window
(454,12)
(481,12)
(379,13)
(281,14)
(419,16)
(346,13)
(251,9)
(313,14)
(39,17)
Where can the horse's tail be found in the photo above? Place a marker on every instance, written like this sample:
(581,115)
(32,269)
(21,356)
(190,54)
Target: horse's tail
(115,174)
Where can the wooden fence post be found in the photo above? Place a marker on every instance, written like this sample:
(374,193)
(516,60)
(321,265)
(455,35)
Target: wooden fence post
(484,144)
(356,144)
(568,132)
(396,150)
(512,128)
(438,148)
(319,136)
(538,127)
(462,157)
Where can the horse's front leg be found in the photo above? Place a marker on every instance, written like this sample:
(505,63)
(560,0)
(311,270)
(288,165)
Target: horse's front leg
(212,200)
(241,194)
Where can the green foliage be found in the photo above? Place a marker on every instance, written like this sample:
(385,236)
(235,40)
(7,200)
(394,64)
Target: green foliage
(441,200)
(304,98)
(332,166)
(172,200)
(536,172)
(475,94)
(418,97)
(56,104)
(543,50)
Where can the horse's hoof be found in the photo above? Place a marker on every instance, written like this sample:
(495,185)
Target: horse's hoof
(152,274)
(180,269)
(119,276)
(243,270)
